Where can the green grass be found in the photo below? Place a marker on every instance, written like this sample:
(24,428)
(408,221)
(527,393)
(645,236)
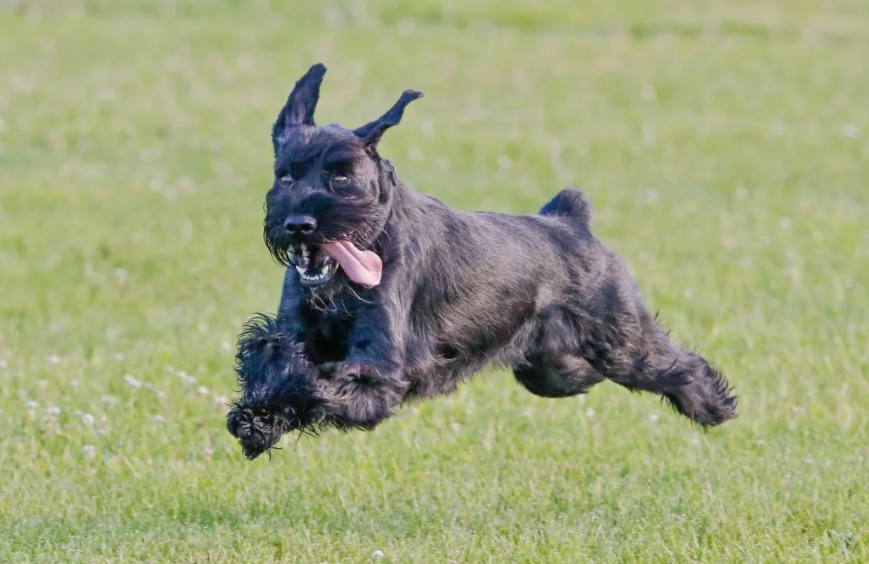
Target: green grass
(724,145)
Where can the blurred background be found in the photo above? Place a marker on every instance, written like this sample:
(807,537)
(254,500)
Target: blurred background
(724,146)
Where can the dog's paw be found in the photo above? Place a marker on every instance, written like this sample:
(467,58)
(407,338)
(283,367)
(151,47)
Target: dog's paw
(256,432)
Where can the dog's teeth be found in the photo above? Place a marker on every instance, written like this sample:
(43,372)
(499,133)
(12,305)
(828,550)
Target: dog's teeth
(305,268)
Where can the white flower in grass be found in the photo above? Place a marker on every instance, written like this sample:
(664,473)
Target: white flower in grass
(158,418)
(54,359)
(169,369)
(649,93)
(87,419)
(3,363)
(89,452)
(53,411)
(185,377)
(156,390)
(208,453)
(377,554)
(333,16)
(132,382)
(226,347)
(653,418)
(120,275)
(851,130)
(202,391)
(221,400)
(649,137)
(590,412)
(73,383)
(30,404)
(427,127)
(103,426)
(119,356)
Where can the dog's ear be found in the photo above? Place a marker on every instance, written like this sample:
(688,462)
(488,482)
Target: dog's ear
(300,106)
(371,133)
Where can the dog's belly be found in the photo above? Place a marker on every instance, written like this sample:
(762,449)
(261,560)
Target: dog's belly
(462,343)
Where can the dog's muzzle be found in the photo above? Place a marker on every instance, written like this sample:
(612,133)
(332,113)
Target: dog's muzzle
(313,265)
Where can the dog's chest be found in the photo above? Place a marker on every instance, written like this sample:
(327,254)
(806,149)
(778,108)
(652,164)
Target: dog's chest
(327,335)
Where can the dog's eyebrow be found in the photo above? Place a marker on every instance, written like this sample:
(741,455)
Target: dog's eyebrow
(301,154)
(343,151)
(292,166)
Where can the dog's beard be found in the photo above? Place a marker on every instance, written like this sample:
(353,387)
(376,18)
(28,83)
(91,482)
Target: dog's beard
(319,274)
(323,281)
(314,266)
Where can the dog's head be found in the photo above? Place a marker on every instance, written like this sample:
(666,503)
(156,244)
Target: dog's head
(331,193)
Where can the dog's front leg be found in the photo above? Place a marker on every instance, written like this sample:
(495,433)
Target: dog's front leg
(278,381)
(278,387)
(362,390)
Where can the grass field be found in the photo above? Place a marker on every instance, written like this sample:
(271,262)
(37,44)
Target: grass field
(724,145)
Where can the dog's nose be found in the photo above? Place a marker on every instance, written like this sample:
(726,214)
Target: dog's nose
(300,224)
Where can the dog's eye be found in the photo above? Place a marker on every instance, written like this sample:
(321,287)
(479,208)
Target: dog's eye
(286,180)
(339,180)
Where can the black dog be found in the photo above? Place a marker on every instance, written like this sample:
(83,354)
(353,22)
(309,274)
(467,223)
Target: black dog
(391,295)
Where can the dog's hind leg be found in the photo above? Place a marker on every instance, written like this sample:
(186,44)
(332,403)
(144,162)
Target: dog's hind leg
(551,367)
(643,358)
(559,377)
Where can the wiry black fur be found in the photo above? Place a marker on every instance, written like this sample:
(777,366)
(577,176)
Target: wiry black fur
(460,290)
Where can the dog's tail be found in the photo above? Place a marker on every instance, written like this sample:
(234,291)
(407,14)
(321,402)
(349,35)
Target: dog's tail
(569,203)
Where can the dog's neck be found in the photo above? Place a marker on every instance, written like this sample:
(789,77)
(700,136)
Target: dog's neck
(390,188)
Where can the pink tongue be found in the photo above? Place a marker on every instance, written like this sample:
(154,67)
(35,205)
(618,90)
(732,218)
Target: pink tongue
(362,267)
